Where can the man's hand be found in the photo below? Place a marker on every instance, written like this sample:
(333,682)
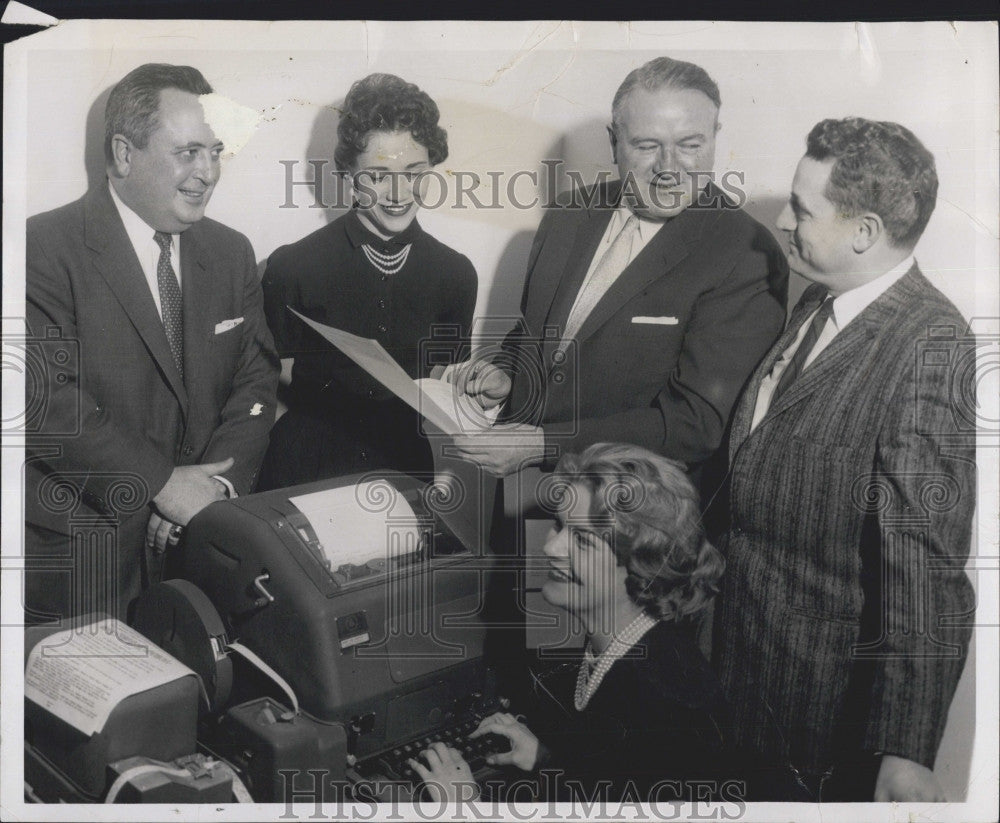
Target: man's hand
(504,449)
(523,743)
(445,774)
(904,781)
(482,381)
(159,534)
(189,490)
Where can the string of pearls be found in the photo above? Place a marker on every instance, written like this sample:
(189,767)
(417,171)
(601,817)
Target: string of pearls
(387,263)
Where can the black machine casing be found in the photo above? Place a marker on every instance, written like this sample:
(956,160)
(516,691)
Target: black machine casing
(391,649)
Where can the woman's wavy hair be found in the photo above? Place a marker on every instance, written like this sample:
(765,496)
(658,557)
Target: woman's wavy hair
(384,102)
(657,535)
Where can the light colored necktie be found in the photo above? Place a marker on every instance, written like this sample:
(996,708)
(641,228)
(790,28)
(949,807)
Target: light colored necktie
(171,309)
(610,267)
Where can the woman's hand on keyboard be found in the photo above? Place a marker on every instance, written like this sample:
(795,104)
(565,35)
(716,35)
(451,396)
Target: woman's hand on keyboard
(445,774)
(523,743)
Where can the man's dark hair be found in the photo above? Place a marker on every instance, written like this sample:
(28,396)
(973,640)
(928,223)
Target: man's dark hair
(665,72)
(384,102)
(878,167)
(134,103)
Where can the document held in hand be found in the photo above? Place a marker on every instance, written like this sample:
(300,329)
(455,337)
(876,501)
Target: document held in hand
(441,403)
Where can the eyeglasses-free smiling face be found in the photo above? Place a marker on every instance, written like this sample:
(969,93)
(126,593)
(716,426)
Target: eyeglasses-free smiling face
(170,181)
(584,576)
(660,138)
(820,238)
(385,175)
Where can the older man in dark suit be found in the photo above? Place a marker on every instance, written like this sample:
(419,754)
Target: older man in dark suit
(648,301)
(852,491)
(174,396)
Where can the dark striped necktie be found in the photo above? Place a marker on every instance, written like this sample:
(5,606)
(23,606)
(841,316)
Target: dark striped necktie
(794,368)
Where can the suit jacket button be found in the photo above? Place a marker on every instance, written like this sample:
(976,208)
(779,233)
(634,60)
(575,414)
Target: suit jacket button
(188,451)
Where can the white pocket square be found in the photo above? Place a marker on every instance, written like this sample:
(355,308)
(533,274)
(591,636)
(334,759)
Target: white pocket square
(656,321)
(226,325)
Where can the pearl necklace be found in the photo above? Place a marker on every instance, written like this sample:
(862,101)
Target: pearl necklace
(587,681)
(387,263)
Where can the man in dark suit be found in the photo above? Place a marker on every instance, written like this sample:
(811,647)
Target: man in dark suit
(170,407)
(648,301)
(840,638)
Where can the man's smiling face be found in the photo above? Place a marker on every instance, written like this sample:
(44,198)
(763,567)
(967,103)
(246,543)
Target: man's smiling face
(169,182)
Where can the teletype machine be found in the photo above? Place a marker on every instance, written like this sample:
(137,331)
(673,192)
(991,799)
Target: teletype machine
(323,633)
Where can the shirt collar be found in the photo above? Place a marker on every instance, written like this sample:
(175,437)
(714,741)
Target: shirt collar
(139,232)
(647,228)
(851,303)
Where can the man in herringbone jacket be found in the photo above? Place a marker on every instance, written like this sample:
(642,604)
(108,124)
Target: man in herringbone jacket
(851,492)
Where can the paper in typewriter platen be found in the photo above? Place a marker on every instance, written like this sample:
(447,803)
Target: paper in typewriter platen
(366,521)
(81,675)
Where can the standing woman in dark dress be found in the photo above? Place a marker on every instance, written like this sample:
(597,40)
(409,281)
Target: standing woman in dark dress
(375,273)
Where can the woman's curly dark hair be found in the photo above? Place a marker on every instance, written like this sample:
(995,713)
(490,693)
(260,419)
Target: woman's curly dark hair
(384,102)
(657,536)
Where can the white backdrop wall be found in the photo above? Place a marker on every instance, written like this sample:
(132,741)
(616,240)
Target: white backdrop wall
(513,95)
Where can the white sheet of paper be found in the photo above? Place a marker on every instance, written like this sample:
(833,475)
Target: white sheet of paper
(436,400)
(358,523)
(464,412)
(80,675)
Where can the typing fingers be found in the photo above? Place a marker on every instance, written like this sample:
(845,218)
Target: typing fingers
(494,723)
(420,769)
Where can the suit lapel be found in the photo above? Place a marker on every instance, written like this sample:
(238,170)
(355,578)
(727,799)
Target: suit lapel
(588,237)
(198,299)
(844,349)
(661,255)
(116,260)
(743,415)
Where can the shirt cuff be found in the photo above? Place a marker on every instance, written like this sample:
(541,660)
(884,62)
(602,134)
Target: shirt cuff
(230,490)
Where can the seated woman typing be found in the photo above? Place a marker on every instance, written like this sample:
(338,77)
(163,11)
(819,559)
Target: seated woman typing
(642,710)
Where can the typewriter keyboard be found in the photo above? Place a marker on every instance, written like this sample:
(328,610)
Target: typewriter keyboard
(394,763)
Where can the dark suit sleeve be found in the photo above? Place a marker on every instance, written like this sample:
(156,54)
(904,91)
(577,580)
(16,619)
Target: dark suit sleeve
(731,329)
(513,349)
(926,467)
(248,414)
(102,446)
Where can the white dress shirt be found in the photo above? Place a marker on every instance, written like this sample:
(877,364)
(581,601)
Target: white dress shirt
(646,231)
(146,248)
(846,307)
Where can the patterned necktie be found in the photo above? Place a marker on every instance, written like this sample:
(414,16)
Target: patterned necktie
(794,368)
(610,267)
(170,301)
